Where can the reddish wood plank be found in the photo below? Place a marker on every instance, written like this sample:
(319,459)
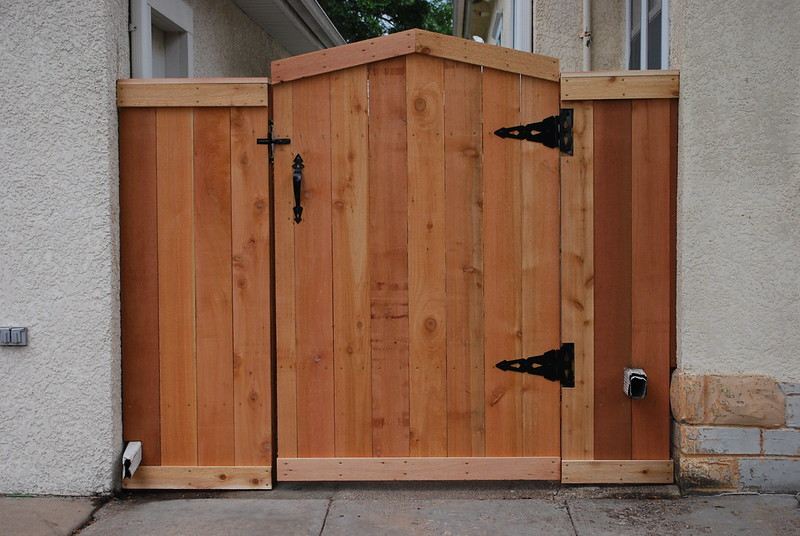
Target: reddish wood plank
(252,307)
(313,270)
(464,259)
(212,248)
(612,281)
(285,339)
(651,272)
(138,229)
(673,231)
(502,264)
(541,299)
(388,258)
(426,256)
(351,316)
(176,296)
(577,286)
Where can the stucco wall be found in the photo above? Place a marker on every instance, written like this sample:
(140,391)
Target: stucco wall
(739,187)
(557,25)
(60,425)
(59,397)
(228,43)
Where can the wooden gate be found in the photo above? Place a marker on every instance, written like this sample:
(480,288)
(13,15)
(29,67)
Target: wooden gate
(427,253)
(194,231)
(427,250)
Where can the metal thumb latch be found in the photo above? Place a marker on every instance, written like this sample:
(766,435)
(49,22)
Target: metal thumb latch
(297,183)
(634,383)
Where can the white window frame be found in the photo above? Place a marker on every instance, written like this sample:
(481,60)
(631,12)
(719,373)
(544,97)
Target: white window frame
(178,15)
(512,25)
(644,19)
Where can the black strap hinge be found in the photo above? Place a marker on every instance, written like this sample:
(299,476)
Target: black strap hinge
(554,365)
(271,142)
(554,131)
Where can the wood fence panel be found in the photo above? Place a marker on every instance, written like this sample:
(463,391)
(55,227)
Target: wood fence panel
(196,287)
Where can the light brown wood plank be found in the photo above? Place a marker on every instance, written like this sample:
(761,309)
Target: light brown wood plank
(415,41)
(620,85)
(490,56)
(176,294)
(577,285)
(502,264)
(616,472)
(464,259)
(252,307)
(285,329)
(427,310)
(213,300)
(366,469)
(612,282)
(388,258)
(313,270)
(343,57)
(652,275)
(541,299)
(169,93)
(198,478)
(138,229)
(351,315)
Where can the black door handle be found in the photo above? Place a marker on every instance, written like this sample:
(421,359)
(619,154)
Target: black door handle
(297,183)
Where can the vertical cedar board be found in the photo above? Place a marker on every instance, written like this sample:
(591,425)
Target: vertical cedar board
(502,264)
(313,262)
(388,258)
(213,300)
(426,256)
(612,281)
(139,281)
(351,315)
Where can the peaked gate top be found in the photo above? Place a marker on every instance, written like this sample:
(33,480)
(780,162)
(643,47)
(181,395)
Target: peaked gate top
(415,42)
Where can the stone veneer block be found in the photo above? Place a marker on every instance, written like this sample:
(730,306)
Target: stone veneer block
(708,473)
(727,400)
(782,442)
(770,474)
(719,440)
(793,411)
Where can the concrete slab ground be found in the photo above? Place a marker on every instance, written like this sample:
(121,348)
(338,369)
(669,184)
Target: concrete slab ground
(43,516)
(415,509)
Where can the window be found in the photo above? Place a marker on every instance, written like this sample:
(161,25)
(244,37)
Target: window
(161,39)
(648,34)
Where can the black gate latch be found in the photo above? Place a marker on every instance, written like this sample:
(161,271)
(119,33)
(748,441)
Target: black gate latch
(554,365)
(272,142)
(554,131)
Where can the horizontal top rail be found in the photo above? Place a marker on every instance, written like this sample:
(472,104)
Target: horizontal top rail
(415,42)
(178,92)
(606,85)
